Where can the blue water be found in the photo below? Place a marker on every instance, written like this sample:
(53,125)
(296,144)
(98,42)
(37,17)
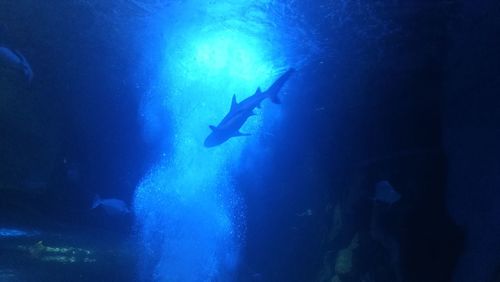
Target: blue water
(123,95)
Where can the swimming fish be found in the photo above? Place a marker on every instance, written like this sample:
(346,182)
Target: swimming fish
(385,193)
(240,112)
(111,206)
(15,233)
(14,60)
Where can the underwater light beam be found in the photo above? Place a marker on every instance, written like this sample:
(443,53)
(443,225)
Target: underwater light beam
(188,218)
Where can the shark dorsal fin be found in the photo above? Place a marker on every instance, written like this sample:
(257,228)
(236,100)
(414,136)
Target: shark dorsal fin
(234,103)
(258,90)
(212,127)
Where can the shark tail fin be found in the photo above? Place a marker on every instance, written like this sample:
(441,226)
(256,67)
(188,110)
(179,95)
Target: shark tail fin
(96,202)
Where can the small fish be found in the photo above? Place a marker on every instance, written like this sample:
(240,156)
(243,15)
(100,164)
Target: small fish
(16,233)
(385,193)
(111,206)
(14,60)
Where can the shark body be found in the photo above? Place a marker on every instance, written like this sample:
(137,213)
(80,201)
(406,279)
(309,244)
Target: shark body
(240,112)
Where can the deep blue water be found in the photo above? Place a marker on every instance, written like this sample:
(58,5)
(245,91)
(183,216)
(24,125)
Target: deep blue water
(122,96)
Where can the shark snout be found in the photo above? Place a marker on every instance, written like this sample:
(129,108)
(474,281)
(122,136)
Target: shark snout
(214,139)
(210,141)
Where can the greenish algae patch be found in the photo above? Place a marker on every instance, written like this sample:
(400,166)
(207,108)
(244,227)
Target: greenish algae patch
(343,263)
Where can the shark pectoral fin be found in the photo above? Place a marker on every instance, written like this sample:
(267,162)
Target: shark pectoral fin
(241,134)
(213,128)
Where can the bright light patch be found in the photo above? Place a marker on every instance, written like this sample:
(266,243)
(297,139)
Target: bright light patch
(232,55)
(189,221)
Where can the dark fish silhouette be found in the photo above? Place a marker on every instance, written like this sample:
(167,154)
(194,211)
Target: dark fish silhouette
(240,112)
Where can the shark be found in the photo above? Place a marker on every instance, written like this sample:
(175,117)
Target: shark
(239,112)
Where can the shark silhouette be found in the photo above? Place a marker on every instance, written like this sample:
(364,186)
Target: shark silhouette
(240,112)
